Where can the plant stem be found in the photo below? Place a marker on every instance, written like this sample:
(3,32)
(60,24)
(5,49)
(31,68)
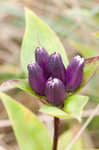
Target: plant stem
(56,132)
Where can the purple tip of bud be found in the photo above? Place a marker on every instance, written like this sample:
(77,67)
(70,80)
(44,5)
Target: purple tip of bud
(36,78)
(55,91)
(41,57)
(75,75)
(56,68)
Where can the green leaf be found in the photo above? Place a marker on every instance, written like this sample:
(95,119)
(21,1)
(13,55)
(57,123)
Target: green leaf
(37,29)
(84,50)
(74,105)
(24,85)
(67,112)
(54,111)
(29,131)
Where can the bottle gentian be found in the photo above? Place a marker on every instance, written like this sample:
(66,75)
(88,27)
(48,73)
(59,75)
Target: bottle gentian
(42,57)
(56,68)
(74,76)
(55,91)
(48,76)
(36,77)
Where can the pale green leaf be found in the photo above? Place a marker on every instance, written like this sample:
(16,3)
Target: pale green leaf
(74,105)
(29,131)
(24,85)
(54,111)
(36,30)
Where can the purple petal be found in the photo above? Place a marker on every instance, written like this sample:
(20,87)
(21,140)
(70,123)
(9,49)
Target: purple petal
(36,78)
(56,68)
(75,75)
(55,92)
(41,57)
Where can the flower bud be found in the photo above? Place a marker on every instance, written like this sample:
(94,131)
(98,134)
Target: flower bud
(56,68)
(36,78)
(55,91)
(75,75)
(41,57)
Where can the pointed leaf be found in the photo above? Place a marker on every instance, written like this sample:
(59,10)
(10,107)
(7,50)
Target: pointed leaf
(37,29)
(24,85)
(74,105)
(29,131)
(54,111)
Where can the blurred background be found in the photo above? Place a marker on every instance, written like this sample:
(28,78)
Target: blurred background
(75,22)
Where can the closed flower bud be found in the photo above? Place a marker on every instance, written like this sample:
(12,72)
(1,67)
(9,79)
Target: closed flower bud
(56,68)
(36,78)
(74,73)
(41,57)
(55,92)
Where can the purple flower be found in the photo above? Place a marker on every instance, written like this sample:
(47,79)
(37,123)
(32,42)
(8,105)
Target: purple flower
(41,57)
(55,91)
(55,67)
(75,75)
(48,76)
(36,78)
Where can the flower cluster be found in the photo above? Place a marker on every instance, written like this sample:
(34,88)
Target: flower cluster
(49,77)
